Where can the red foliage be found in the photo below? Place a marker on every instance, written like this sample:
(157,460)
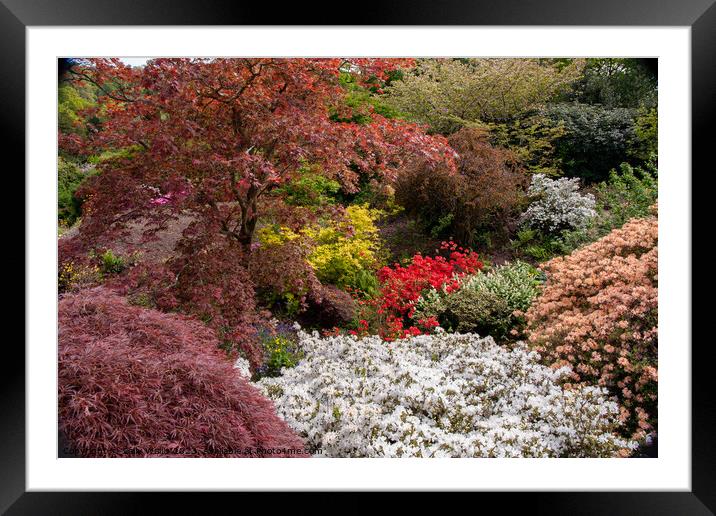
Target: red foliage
(209,282)
(213,136)
(209,138)
(281,270)
(138,382)
(335,308)
(485,195)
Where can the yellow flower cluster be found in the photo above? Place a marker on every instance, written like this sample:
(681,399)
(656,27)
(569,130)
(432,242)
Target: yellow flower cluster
(72,276)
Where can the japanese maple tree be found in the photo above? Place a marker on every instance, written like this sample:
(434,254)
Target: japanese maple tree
(213,135)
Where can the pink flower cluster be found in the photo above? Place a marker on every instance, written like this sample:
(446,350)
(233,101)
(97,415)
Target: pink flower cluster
(598,314)
(168,198)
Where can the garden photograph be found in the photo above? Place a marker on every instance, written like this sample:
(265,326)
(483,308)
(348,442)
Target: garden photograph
(357,257)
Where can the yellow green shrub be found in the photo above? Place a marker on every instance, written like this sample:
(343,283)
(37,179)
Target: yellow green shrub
(347,249)
(273,234)
(346,252)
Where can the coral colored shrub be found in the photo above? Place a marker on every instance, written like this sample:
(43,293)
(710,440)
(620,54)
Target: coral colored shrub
(443,395)
(138,382)
(598,313)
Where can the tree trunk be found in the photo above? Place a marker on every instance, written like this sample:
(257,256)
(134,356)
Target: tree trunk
(246,233)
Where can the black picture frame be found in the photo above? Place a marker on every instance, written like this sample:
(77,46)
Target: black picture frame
(700,15)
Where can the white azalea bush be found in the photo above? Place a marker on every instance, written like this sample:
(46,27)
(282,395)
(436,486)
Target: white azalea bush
(484,301)
(442,395)
(243,367)
(557,204)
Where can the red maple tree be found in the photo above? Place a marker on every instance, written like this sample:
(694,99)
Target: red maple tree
(213,135)
(208,138)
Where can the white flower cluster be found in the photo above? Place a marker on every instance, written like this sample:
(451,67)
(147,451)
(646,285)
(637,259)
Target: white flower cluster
(443,395)
(243,366)
(557,204)
(518,283)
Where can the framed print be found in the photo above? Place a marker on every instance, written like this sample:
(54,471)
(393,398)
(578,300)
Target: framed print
(414,253)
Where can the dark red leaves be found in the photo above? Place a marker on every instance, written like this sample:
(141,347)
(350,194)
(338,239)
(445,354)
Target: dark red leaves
(137,382)
(232,129)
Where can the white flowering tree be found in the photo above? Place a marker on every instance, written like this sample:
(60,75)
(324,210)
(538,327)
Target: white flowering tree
(445,395)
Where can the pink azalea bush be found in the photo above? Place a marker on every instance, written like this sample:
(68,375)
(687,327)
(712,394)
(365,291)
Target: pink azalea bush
(598,314)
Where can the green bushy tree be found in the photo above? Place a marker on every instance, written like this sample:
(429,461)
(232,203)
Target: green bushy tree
(618,83)
(71,100)
(69,178)
(596,139)
(647,135)
(448,94)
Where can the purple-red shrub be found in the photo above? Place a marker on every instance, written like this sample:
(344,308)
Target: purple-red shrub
(485,195)
(138,382)
(336,308)
(213,286)
(282,274)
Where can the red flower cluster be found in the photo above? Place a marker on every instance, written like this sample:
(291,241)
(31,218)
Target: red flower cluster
(400,286)
(391,313)
(395,330)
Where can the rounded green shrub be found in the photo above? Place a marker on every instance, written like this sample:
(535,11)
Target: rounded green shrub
(69,178)
(476,311)
(487,303)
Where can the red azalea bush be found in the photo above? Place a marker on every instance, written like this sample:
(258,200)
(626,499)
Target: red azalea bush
(390,314)
(598,314)
(400,286)
(138,382)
